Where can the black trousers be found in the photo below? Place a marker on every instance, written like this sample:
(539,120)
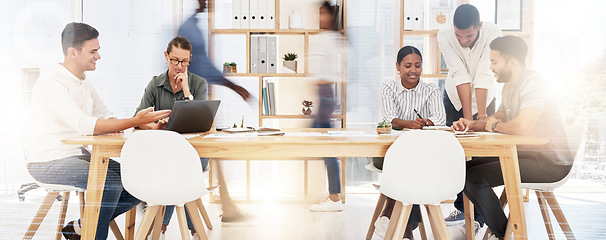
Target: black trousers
(486,174)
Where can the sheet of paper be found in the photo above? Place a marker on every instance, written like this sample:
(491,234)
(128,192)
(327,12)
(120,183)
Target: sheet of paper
(303,134)
(350,134)
(190,135)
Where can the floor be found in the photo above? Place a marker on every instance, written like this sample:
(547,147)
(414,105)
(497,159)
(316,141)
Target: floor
(583,201)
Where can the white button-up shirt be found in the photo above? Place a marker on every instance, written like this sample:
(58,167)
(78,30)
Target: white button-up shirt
(62,106)
(467,65)
(400,102)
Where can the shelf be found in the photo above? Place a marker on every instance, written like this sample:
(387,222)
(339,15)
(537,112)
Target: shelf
(438,75)
(296,116)
(268,75)
(420,32)
(273,31)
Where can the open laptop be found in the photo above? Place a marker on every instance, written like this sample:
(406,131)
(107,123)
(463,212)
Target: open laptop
(192,116)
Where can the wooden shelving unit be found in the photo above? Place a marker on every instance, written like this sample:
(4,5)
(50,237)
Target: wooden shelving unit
(277,31)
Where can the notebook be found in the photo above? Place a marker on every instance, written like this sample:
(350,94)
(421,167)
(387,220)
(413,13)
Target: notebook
(192,116)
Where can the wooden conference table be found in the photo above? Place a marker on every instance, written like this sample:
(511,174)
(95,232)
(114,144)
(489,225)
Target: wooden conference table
(272,147)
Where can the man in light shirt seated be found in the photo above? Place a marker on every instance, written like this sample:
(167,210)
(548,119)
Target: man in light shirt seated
(527,109)
(65,105)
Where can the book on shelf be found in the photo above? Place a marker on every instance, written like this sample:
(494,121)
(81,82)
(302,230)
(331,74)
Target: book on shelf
(253,14)
(414,15)
(271,98)
(263,57)
(265,103)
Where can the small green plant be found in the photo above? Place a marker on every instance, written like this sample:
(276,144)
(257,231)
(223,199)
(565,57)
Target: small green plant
(290,56)
(233,64)
(384,124)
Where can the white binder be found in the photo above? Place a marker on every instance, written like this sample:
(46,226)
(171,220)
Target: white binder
(254,53)
(262,13)
(244,13)
(254,14)
(271,14)
(235,14)
(408,15)
(272,60)
(418,13)
(262,67)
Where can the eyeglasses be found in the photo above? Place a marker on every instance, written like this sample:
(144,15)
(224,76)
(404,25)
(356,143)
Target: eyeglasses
(184,63)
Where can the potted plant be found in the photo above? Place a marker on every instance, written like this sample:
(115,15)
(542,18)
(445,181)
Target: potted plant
(384,128)
(307,105)
(230,67)
(290,65)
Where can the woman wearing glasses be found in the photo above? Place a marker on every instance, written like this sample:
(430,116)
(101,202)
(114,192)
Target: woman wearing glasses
(176,84)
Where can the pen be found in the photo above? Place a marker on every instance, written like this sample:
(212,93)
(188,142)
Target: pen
(419,115)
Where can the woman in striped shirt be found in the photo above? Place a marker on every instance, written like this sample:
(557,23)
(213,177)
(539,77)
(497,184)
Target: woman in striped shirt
(401,104)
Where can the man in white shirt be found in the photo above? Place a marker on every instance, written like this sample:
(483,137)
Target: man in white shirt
(469,87)
(64,105)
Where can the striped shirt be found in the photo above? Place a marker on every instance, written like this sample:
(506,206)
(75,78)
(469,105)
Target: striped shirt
(399,102)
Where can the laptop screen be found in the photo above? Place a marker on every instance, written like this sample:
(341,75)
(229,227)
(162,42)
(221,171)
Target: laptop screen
(192,116)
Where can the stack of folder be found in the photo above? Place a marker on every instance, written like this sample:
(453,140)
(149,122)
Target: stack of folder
(253,14)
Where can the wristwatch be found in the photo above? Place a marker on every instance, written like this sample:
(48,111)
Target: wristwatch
(494,125)
(191,97)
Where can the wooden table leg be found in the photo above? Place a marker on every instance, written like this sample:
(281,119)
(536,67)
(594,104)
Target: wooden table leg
(515,197)
(96,183)
(469,218)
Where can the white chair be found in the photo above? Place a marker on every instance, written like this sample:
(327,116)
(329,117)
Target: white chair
(53,191)
(425,168)
(544,191)
(162,168)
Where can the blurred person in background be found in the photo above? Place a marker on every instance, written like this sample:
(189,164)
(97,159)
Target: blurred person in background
(327,61)
(202,66)
(200,63)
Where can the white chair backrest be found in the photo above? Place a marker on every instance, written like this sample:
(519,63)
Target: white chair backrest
(574,138)
(161,168)
(423,167)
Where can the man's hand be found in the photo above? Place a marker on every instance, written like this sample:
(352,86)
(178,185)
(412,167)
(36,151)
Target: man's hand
(462,125)
(489,123)
(160,125)
(147,115)
(240,91)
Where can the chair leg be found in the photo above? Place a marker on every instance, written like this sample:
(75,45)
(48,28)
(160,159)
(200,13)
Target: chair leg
(146,222)
(129,224)
(559,215)
(192,209)
(157,226)
(116,230)
(182,223)
(62,213)
(375,216)
(422,231)
(393,221)
(440,231)
(545,213)
(469,218)
(402,221)
(82,201)
(202,210)
(42,211)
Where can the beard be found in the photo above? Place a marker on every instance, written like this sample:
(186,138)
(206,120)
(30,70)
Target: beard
(504,76)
